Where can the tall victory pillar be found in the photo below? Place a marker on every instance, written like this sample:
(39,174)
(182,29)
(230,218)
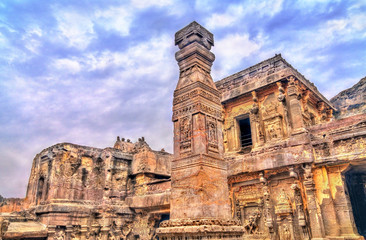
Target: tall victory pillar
(200,204)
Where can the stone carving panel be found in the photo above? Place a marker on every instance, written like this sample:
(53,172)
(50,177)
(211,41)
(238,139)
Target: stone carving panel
(144,226)
(211,126)
(185,134)
(349,145)
(272,118)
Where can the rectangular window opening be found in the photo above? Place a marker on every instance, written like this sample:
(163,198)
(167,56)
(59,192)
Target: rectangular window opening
(245,133)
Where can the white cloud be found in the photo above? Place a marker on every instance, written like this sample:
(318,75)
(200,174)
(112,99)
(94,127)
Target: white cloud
(67,65)
(231,50)
(232,15)
(75,28)
(204,5)
(236,12)
(31,38)
(149,3)
(117,19)
(143,59)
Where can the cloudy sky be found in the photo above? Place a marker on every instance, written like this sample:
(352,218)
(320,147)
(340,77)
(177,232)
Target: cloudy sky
(86,71)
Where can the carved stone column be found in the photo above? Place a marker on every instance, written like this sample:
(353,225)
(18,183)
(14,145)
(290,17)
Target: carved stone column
(200,197)
(51,231)
(83,232)
(294,107)
(104,232)
(300,212)
(267,207)
(282,99)
(68,231)
(258,136)
(342,203)
(315,217)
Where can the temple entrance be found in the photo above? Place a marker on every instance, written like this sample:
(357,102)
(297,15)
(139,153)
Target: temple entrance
(356,184)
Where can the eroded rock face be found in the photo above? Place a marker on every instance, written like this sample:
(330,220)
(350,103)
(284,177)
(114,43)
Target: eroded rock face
(351,101)
(80,192)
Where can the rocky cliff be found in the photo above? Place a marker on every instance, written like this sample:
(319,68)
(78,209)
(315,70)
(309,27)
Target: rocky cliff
(351,101)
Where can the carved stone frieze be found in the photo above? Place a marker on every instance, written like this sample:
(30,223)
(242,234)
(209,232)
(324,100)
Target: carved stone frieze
(194,108)
(357,144)
(195,93)
(322,150)
(242,178)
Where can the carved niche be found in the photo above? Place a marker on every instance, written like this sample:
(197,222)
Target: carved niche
(185,134)
(144,226)
(211,126)
(284,213)
(60,234)
(248,208)
(272,118)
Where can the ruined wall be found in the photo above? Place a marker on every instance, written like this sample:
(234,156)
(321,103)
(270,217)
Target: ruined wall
(11,204)
(67,172)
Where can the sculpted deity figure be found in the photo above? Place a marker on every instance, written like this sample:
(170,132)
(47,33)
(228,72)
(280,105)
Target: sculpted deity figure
(307,171)
(212,132)
(60,235)
(111,236)
(126,230)
(99,236)
(286,233)
(251,225)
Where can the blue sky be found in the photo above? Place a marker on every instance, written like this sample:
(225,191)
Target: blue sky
(86,71)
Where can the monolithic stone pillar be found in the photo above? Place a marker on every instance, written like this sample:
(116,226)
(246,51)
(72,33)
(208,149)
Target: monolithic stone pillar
(342,204)
(200,198)
(315,217)
(297,121)
(258,137)
(68,231)
(83,232)
(51,231)
(326,202)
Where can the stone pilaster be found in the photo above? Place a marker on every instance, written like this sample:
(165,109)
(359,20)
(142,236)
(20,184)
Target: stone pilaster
(315,217)
(51,232)
(297,121)
(342,203)
(200,198)
(83,232)
(68,231)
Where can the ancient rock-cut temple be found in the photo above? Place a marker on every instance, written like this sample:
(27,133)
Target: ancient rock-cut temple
(257,155)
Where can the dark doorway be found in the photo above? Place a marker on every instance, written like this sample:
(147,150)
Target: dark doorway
(245,132)
(356,183)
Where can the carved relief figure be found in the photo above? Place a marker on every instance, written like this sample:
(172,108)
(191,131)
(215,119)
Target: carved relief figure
(251,225)
(75,233)
(111,236)
(185,129)
(212,132)
(60,235)
(126,230)
(307,171)
(286,234)
(99,236)
(272,118)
